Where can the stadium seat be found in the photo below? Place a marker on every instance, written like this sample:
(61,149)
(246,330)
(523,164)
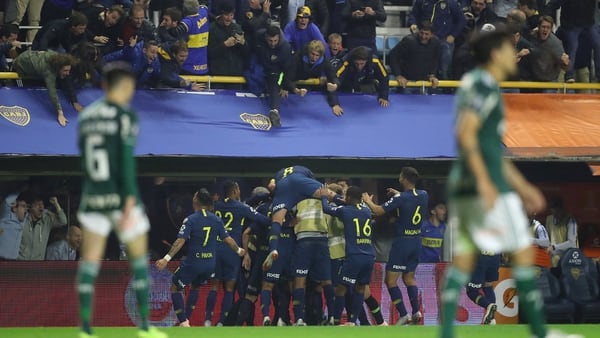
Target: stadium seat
(391,42)
(380,44)
(581,286)
(557,308)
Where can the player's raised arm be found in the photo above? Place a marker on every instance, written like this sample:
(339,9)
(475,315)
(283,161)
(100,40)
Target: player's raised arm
(254,216)
(325,193)
(377,210)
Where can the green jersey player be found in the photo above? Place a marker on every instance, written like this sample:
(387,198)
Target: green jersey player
(107,135)
(486,191)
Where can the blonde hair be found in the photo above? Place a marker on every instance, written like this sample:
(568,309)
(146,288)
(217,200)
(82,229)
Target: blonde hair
(316,46)
(334,36)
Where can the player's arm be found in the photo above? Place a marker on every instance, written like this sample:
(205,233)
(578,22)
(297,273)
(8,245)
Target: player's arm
(571,241)
(376,209)
(162,263)
(541,239)
(246,263)
(254,216)
(228,240)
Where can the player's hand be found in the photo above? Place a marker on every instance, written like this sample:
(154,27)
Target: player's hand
(266,6)
(384,103)
(450,39)
(283,93)
(358,14)
(127,222)
(54,201)
(402,81)
(161,264)
(133,41)
(324,191)
(369,11)
(331,87)
(392,192)
(62,120)
(533,199)
(434,81)
(337,110)
(241,252)
(101,39)
(229,42)
(16,44)
(78,107)
(367,198)
(301,92)
(488,194)
(565,59)
(198,86)
(247,262)
(240,39)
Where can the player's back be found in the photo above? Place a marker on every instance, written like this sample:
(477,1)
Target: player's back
(293,170)
(411,210)
(357,229)
(260,232)
(107,135)
(201,231)
(233,214)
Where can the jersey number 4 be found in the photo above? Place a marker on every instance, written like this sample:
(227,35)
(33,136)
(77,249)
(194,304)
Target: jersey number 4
(96,158)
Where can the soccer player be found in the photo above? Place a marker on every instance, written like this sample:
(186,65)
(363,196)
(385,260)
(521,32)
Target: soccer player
(480,289)
(234,215)
(432,234)
(107,135)
(407,207)
(487,191)
(201,230)
(292,184)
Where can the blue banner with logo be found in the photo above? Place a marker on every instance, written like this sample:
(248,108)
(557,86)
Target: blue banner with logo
(227,123)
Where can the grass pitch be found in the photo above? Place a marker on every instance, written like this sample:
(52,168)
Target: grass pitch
(476,331)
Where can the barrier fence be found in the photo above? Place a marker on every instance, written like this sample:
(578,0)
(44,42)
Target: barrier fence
(45,294)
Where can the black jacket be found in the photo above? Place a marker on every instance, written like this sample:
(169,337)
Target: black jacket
(275,60)
(224,60)
(303,70)
(320,14)
(57,34)
(574,13)
(414,60)
(363,27)
(373,77)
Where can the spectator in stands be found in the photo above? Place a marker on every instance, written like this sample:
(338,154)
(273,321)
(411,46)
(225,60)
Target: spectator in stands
(38,224)
(463,58)
(562,228)
(12,219)
(336,50)
(137,25)
(577,23)
(65,249)
(54,69)
(110,3)
(8,44)
(194,26)
(312,63)
(143,57)
(417,57)
(103,27)
(503,7)
(524,49)
(86,72)
(275,56)
(361,18)
(320,14)
(227,46)
(529,7)
(61,35)
(170,19)
(256,18)
(541,242)
(292,7)
(364,73)
(477,15)
(548,57)
(301,31)
(55,10)
(144,3)
(516,18)
(171,59)
(448,23)
(33,8)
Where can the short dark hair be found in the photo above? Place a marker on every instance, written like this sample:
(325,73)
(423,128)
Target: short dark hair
(204,197)
(178,46)
(529,3)
(118,9)
(360,53)
(8,29)
(546,18)
(78,19)
(114,72)
(229,187)
(353,195)
(484,43)
(149,43)
(411,174)
(174,13)
(272,31)
(426,26)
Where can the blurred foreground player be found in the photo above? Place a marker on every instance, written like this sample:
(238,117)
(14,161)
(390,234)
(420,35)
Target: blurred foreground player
(201,230)
(486,191)
(110,200)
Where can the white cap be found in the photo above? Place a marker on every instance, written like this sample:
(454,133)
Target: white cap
(488,27)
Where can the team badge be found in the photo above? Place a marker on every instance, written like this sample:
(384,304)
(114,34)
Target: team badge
(249,15)
(575,273)
(179,206)
(257,121)
(16,114)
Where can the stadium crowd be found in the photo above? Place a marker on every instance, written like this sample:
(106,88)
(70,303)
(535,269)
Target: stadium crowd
(275,43)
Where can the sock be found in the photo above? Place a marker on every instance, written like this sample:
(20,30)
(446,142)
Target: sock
(226,305)
(413,296)
(265,302)
(298,298)
(373,305)
(177,298)
(455,279)
(243,312)
(396,296)
(348,302)
(274,233)
(86,277)
(477,298)
(530,299)
(362,317)
(357,302)
(190,304)
(338,307)
(284,303)
(490,295)
(316,308)
(142,289)
(211,299)
(329,299)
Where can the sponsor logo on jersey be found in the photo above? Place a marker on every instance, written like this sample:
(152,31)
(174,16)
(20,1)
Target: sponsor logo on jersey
(257,121)
(16,114)
(349,280)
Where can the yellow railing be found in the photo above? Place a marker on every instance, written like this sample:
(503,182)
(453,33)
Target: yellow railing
(393,83)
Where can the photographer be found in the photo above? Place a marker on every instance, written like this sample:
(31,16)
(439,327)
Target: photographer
(227,47)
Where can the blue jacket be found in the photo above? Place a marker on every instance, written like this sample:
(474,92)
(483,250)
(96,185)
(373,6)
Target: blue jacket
(298,38)
(147,74)
(446,16)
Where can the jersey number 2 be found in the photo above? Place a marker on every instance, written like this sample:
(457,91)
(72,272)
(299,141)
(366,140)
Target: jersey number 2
(227,217)
(96,158)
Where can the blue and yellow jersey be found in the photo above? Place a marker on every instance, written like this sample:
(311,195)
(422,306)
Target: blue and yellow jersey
(197,42)
(357,227)
(409,208)
(293,170)
(235,216)
(432,239)
(201,230)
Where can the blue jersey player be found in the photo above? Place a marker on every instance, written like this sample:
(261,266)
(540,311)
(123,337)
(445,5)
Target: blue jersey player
(201,231)
(235,215)
(432,234)
(292,185)
(408,208)
(481,289)
(360,254)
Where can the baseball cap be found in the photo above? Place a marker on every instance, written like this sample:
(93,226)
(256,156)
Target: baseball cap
(304,12)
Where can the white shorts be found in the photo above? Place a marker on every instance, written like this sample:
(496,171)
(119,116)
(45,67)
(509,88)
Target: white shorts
(101,223)
(502,229)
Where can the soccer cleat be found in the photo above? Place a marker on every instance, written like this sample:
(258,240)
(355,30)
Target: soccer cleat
(300,322)
(560,334)
(275,118)
(493,322)
(186,323)
(405,320)
(219,324)
(281,322)
(416,318)
(86,335)
(266,321)
(152,333)
(207,323)
(383,324)
(273,255)
(350,324)
(490,314)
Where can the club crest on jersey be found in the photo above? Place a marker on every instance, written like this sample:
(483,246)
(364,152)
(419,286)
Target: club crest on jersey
(257,121)
(16,114)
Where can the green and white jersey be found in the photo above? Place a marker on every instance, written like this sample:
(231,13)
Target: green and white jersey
(480,93)
(107,137)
